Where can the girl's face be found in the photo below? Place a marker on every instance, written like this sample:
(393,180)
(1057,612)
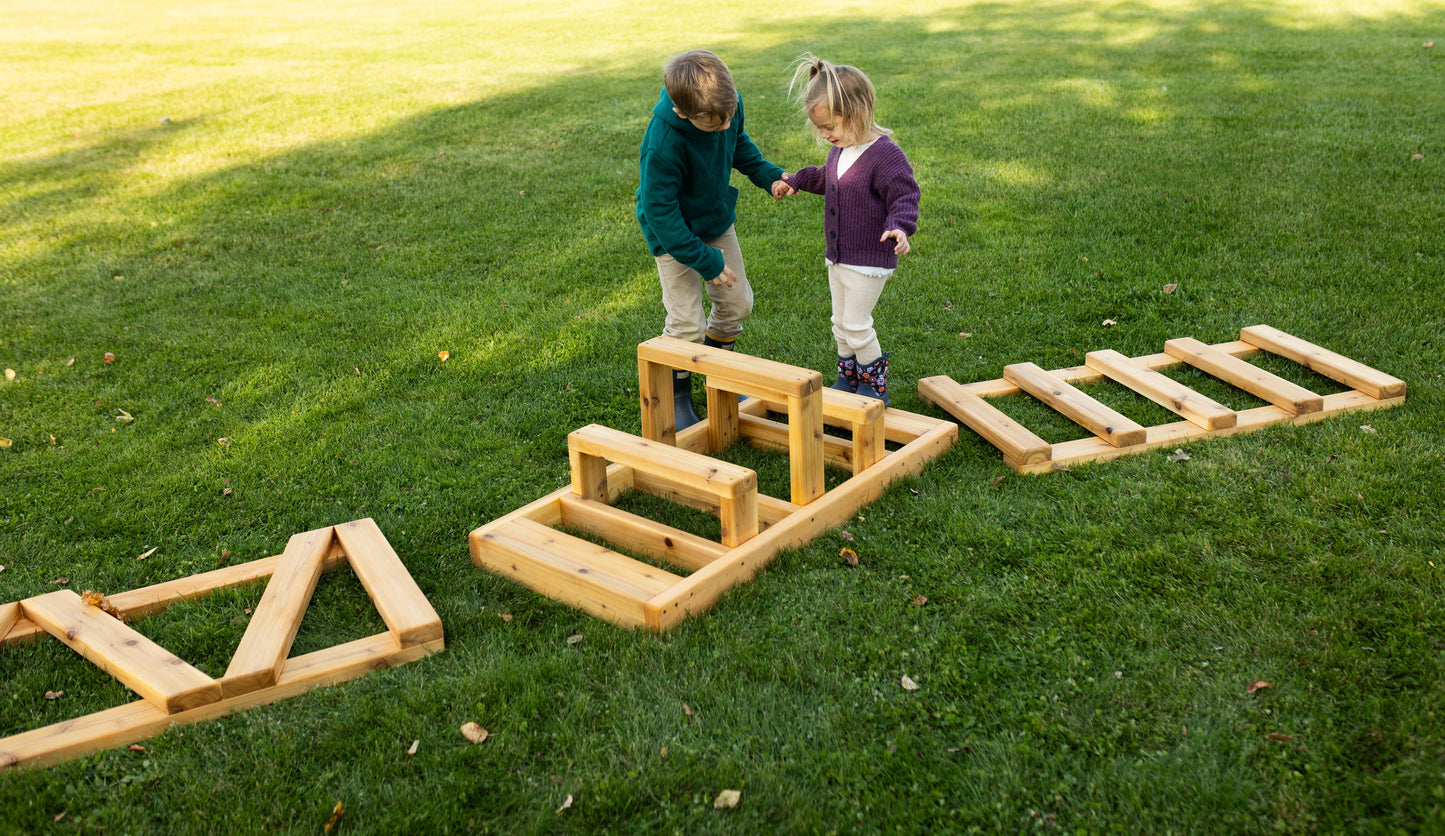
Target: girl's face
(830,125)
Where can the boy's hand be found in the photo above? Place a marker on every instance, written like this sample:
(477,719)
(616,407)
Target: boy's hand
(900,248)
(727,278)
(781,189)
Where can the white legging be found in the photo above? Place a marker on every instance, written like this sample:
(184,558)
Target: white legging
(854,296)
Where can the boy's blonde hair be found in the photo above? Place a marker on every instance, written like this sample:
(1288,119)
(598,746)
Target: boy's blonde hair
(700,86)
(844,90)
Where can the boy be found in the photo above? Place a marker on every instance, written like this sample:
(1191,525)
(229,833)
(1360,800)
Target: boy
(687,207)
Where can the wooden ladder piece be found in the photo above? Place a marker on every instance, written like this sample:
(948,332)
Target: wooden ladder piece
(267,641)
(1241,374)
(1170,394)
(1093,416)
(592,577)
(735,487)
(129,657)
(1352,373)
(1018,444)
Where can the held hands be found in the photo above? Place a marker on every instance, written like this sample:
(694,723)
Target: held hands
(901,237)
(781,189)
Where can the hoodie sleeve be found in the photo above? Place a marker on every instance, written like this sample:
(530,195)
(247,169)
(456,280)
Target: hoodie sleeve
(748,160)
(661,182)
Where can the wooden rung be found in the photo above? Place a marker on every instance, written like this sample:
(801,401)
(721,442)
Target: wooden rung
(1063,398)
(399,601)
(1354,374)
(9,614)
(135,661)
(1288,396)
(267,641)
(1168,393)
(639,534)
(570,569)
(864,417)
(736,487)
(1017,443)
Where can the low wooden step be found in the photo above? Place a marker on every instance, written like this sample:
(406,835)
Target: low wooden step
(735,487)
(580,573)
(1088,413)
(1352,373)
(1167,392)
(1264,385)
(1019,446)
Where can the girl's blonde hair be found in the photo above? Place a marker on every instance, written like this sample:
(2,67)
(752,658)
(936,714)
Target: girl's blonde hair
(844,90)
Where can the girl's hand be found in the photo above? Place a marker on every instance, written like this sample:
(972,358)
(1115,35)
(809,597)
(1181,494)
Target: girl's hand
(900,248)
(781,189)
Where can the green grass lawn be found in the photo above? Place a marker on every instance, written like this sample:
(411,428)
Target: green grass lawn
(276,216)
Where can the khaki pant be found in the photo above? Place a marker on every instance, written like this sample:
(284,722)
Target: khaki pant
(682,290)
(854,297)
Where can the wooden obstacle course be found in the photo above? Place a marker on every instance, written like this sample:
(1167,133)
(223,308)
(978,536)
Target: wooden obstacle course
(173,692)
(526,545)
(1114,435)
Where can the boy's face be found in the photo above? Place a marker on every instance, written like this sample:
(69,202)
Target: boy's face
(711,124)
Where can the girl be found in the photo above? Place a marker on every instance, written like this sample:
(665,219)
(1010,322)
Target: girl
(870,203)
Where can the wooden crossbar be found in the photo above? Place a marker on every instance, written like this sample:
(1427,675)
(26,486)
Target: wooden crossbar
(1116,435)
(129,657)
(266,643)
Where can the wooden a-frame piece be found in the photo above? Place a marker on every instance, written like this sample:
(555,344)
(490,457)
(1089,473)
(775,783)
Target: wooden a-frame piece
(174,693)
(1115,435)
(527,546)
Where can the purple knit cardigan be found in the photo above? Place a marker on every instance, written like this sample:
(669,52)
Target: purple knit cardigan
(877,194)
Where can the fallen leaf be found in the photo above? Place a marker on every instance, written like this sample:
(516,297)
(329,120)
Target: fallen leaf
(334,820)
(136,747)
(210,399)
(109,357)
(849,556)
(727,799)
(224,441)
(662,755)
(1063,467)
(687,709)
(444,355)
(70,362)
(5,443)
(1367,428)
(507,617)
(908,683)
(1418,157)
(226,491)
(124,416)
(1274,735)
(1179,456)
(845,536)
(95,599)
(574,639)
(9,374)
(411,750)
(565,804)
(920,601)
(999,479)
(963,335)
(148,554)
(1170,288)
(474,732)
(1184,731)
(1256,685)
(60,582)
(54,695)
(1109,323)
(58,817)
(1429,44)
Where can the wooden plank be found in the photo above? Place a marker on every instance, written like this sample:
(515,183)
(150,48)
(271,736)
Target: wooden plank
(805,447)
(1337,367)
(702,588)
(639,534)
(129,657)
(1168,393)
(398,600)
(654,384)
(589,475)
(267,641)
(1015,441)
(1075,405)
(140,720)
(1084,374)
(591,577)
(741,374)
(768,434)
(1240,374)
(722,417)
(9,614)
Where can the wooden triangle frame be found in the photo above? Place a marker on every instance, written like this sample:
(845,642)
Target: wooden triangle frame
(175,693)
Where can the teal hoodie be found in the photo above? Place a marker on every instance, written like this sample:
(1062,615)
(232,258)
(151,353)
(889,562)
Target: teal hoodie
(685,198)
